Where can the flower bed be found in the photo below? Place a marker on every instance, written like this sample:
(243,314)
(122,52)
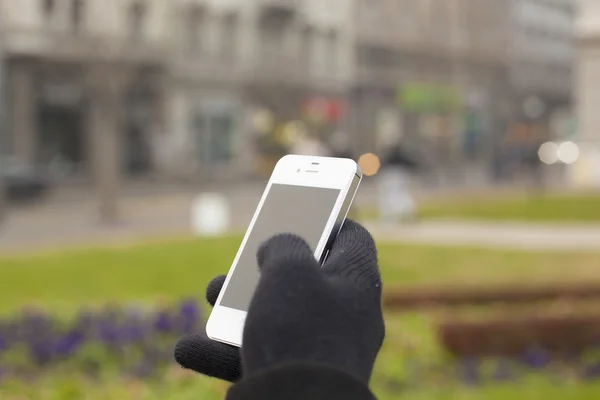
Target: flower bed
(128,340)
(485,371)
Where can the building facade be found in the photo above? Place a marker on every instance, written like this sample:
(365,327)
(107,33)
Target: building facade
(75,69)
(206,88)
(429,72)
(588,71)
(587,89)
(236,63)
(541,73)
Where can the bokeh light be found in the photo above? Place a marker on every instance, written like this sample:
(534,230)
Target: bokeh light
(291,133)
(548,153)
(369,164)
(568,152)
(263,121)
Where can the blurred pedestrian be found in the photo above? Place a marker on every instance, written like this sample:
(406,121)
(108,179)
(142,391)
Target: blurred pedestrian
(395,198)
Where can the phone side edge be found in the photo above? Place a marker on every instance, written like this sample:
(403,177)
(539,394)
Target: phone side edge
(350,194)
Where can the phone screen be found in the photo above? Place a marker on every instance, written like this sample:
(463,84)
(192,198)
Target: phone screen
(301,210)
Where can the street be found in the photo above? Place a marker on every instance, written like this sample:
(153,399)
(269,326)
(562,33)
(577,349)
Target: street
(66,221)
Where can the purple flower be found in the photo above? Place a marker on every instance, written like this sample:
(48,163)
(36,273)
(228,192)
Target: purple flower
(162,323)
(592,371)
(85,320)
(69,343)
(108,334)
(134,332)
(190,315)
(536,358)
(41,351)
(189,310)
(3,343)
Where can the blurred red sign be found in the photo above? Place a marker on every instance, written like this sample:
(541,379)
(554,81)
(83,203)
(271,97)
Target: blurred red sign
(324,109)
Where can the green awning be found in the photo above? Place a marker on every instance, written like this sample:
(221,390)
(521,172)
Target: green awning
(428,97)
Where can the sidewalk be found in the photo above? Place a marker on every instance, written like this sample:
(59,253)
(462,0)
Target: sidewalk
(59,224)
(30,236)
(546,237)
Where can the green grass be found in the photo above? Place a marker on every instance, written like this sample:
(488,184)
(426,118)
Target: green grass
(580,208)
(166,271)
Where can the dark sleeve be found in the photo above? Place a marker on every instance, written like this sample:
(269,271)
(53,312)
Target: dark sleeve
(300,382)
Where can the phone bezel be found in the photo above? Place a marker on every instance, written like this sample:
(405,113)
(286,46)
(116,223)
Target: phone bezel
(226,324)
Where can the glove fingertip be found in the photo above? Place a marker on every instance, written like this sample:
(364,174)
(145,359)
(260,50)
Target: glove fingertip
(354,234)
(214,289)
(284,246)
(200,354)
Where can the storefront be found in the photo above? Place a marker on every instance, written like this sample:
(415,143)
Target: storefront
(142,124)
(62,141)
(214,129)
(434,118)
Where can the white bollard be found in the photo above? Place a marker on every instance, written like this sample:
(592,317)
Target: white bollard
(211,215)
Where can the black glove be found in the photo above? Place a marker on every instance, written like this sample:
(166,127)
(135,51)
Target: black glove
(302,314)
(206,356)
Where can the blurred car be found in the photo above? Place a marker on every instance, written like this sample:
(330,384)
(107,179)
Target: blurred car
(23,182)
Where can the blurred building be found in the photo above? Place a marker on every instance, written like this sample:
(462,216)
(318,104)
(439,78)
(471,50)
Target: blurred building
(588,68)
(235,60)
(588,91)
(200,88)
(433,73)
(540,71)
(77,69)
(541,57)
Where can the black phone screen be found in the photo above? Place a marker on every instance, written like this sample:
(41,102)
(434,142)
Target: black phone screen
(301,210)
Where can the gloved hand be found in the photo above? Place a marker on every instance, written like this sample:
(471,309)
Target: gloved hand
(302,313)
(208,357)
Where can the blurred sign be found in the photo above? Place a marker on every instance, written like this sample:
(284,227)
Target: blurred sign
(422,97)
(323,109)
(210,215)
(525,133)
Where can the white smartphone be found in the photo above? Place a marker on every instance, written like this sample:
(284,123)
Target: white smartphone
(308,196)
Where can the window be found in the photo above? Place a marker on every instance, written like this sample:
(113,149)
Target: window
(48,8)
(77,13)
(370,11)
(196,17)
(273,35)
(308,46)
(229,36)
(332,43)
(215,136)
(137,16)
